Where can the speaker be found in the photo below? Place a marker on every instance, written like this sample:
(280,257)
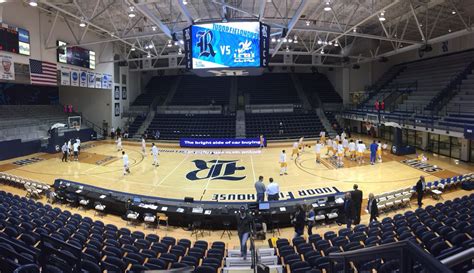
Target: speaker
(188,199)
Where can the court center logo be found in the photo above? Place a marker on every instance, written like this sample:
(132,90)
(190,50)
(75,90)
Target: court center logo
(216,170)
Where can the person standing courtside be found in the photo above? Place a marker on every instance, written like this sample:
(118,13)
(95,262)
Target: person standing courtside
(356,196)
(273,190)
(244,223)
(260,188)
(299,221)
(372,208)
(65,150)
(420,188)
(348,209)
(310,219)
(155,152)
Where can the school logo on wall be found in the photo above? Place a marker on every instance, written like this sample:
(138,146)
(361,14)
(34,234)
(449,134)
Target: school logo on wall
(216,170)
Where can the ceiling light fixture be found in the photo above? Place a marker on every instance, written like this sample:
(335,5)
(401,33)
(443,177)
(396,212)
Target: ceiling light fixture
(180,51)
(319,42)
(285,40)
(273,40)
(330,43)
(148,55)
(322,51)
(295,39)
(185,2)
(131,14)
(453,12)
(33,3)
(308,22)
(133,48)
(181,41)
(82,23)
(336,44)
(382,16)
(153,28)
(279,40)
(449,30)
(290,40)
(354,29)
(287,49)
(169,43)
(327,7)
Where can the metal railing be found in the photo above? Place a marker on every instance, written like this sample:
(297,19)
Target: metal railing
(406,253)
(376,87)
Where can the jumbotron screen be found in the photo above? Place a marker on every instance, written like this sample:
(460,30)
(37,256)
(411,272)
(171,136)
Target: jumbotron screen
(226,45)
(77,56)
(14,40)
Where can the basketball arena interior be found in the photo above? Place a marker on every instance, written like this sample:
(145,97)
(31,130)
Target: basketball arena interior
(236,136)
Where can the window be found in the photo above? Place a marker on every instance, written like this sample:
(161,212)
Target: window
(455,148)
(444,145)
(433,143)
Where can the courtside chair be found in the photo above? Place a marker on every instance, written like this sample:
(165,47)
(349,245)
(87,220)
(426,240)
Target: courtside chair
(150,221)
(227,229)
(99,209)
(162,218)
(132,217)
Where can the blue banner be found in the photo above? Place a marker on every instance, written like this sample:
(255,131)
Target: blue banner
(220,142)
(469,133)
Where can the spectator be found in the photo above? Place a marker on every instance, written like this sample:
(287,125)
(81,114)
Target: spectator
(260,188)
(377,105)
(273,191)
(420,188)
(299,221)
(157,134)
(348,210)
(112,132)
(311,215)
(356,196)
(382,106)
(244,223)
(372,208)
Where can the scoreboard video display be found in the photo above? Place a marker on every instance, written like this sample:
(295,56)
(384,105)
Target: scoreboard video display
(14,40)
(75,55)
(227,45)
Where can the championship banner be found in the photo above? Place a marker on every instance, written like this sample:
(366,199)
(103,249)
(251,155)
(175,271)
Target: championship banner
(7,69)
(264,45)
(220,142)
(74,77)
(188,47)
(91,80)
(98,80)
(105,81)
(83,79)
(65,76)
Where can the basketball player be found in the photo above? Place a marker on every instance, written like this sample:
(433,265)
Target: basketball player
(78,141)
(119,143)
(283,164)
(384,147)
(338,138)
(143,146)
(343,135)
(75,148)
(64,149)
(334,147)
(360,152)
(317,150)
(69,147)
(300,144)
(295,150)
(352,150)
(322,136)
(262,142)
(379,151)
(155,153)
(329,144)
(345,144)
(126,168)
(340,155)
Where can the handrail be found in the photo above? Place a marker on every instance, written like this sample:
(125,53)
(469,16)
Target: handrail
(375,88)
(406,252)
(459,258)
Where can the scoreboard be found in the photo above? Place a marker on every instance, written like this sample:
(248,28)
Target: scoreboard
(227,45)
(75,55)
(14,40)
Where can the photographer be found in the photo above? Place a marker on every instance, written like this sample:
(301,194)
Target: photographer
(244,222)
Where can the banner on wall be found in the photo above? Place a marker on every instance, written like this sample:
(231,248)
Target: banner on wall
(98,80)
(7,68)
(91,80)
(83,79)
(74,77)
(107,81)
(65,75)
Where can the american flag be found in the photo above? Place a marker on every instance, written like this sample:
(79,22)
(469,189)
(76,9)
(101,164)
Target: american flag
(43,73)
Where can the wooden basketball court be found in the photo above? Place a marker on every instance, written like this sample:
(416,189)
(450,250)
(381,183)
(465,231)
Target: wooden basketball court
(226,174)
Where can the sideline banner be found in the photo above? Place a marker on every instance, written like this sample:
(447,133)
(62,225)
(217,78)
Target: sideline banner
(220,142)
(7,68)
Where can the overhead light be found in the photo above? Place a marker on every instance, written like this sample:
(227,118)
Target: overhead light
(322,51)
(148,55)
(449,30)
(327,7)
(82,23)
(181,41)
(330,43)
(176,43)
(279,40)
(185,2)
(273,40)
(33,3)
(295,40)
(421,25)
(336,44)
(319,42)
(290,40)
(287,49)
(153,28)
(453,12)
(269,1)
(308,22)
(131,13)
(285,40)
(133,48)
(325,42)
(382,16)
(354,29)
(169,43)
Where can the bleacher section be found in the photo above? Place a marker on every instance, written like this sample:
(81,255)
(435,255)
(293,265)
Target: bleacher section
(177,126)
(463,102)
(194,90)
(319,85)
(135,125)
(431,76)
(29,122)
(277,88)
(294,125)
(157,86)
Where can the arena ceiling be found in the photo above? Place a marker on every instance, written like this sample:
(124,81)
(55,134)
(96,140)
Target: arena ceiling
(326,32)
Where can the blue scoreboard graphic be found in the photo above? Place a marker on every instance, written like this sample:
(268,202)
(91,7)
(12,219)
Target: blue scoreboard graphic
(223,45)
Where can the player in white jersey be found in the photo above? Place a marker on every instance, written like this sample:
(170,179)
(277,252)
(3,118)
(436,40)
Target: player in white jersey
(300,144)
(360,152)
(295,150)
(317,150)
(329,147)
(322,137)
(352,150)
(343,135)
(338,138)
(75,148)
(143,146)
(78,141)
(155,152)
(345,144)
(69,147)
(119,143)
(283,163)
(379,151)
(126,167)
(334,147)
(340,155)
